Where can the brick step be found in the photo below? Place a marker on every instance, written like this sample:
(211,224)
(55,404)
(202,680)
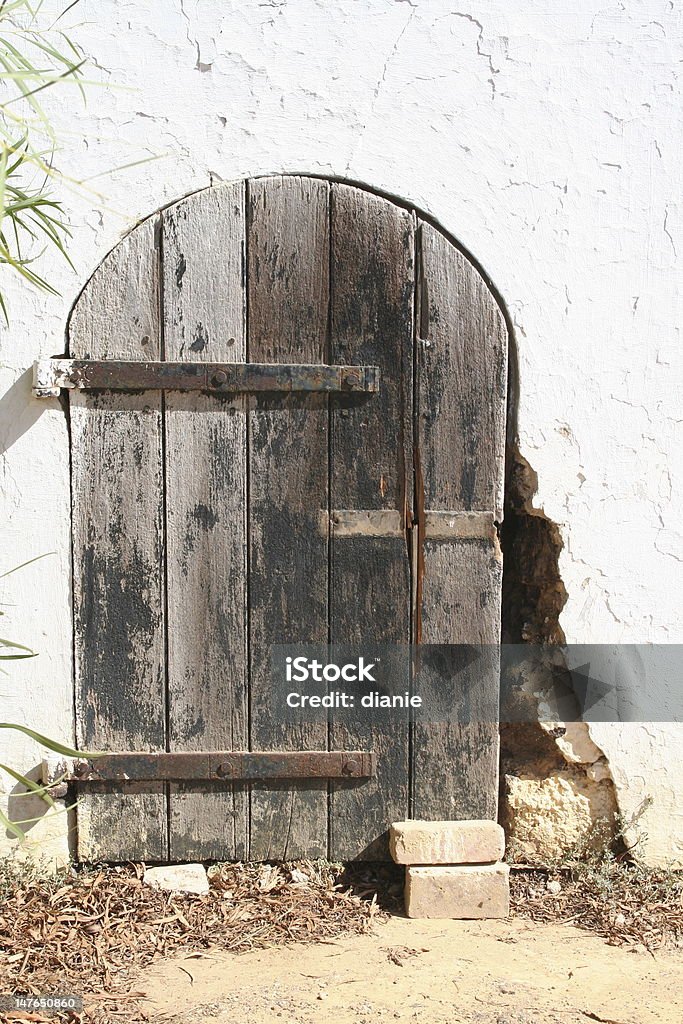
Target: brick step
(446,842)
(470,892)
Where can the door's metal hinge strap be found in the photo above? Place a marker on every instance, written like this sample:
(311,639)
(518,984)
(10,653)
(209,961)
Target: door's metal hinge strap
(50,375)
(220,765)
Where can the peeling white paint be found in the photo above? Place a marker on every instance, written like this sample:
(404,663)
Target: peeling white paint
(547,140)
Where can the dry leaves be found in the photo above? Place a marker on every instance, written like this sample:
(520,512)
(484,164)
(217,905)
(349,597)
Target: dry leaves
(624,903)
(89,935)
(399,954)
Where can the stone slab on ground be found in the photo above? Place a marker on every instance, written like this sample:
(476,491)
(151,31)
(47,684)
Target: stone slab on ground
(446,842)
(178,878)
(469,892)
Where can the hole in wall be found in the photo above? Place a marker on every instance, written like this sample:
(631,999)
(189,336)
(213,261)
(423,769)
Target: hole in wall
(533,592)
(557,797)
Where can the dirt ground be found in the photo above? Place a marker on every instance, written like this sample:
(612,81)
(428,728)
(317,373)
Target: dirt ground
(432,972)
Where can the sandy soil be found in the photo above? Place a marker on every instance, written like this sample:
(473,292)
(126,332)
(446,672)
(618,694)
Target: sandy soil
(432,972)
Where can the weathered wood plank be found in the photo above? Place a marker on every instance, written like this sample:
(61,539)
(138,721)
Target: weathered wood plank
(462,381)
(461,391)
(204,320)
(371,321)
(455,757)
(118,553)
(287,282)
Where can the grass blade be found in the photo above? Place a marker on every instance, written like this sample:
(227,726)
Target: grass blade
(49,744)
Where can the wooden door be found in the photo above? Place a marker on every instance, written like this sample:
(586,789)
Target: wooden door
(197,539)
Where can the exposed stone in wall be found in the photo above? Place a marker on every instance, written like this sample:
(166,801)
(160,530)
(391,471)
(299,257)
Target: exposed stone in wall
(557,790)
(557,815)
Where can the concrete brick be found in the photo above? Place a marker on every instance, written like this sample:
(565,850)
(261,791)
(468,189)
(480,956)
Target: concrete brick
(458,893)
(446,842)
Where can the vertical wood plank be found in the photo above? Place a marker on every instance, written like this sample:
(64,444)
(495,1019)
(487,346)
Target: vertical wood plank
(461,439)
(288,260)
(371,322)
(204,320)
(462,381)
(118,552)
(455,761)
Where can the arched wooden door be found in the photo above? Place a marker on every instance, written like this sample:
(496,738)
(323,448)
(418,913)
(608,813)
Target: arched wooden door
(197,538)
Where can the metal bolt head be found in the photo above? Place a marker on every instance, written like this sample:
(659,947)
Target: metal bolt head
(352,379)
(350,767)
(82,769)
(219,378)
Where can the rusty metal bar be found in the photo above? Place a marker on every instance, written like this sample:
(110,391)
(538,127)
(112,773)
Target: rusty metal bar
(222,765)
(50,375)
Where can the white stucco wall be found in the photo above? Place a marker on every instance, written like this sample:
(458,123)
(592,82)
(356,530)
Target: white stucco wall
(545,136)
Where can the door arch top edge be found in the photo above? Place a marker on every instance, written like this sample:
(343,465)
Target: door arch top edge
(363,186)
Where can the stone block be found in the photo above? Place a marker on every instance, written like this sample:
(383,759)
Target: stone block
(471,892)
(446,842)
(178,878)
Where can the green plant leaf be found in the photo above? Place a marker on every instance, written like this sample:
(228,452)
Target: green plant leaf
(24,564)
(12,827)
(41,817)
(49,744)
(35,787)
(45,788)
(35,56)
(19,647)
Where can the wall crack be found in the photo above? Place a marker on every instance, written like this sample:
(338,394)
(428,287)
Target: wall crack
(493,71)
(380,82)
